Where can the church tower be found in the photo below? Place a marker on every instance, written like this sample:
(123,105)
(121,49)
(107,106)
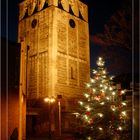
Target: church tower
(54,38)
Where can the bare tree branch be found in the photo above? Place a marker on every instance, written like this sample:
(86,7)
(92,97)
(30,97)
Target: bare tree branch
(118,30)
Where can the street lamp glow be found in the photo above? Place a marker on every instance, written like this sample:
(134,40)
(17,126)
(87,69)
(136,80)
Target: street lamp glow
(46,99)
(49,99)
(52,100)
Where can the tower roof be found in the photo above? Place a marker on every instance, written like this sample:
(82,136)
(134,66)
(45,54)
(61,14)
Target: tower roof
(27,7)
(84,1)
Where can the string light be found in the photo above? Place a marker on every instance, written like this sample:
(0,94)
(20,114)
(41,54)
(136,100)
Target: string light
(101,85)
(120,128)
(104,72)
(102,90)
(100,128)
(110,88)
(86,95)
(80,102)
(103,81)
(86,117)
(100,115)
(94,90)
(124,113)
(89,138)
(122,91)
(100,62)
(76,114)
(88,85)
(88,108)
(105,87)
(94,71)
(107,98)
(92,80)
(97,98)
(97,78)
(111,77)
(113,93)
(113,108)
(124,104)
(102,103)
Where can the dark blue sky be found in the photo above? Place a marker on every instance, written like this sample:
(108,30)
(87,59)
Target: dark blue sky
(99,13)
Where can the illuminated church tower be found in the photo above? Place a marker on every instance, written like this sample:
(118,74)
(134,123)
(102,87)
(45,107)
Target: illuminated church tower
(55,38)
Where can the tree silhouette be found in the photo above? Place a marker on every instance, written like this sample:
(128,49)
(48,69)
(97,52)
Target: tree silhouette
(118,30)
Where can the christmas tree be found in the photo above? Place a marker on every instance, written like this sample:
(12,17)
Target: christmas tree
(103,114)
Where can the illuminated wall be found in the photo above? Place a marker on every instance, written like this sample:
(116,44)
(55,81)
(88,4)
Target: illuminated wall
(58,39)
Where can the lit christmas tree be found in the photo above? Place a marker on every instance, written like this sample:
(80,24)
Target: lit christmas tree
(103,113)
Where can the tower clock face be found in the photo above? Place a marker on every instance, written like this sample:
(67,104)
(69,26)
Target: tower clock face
(34,23)
(72,23)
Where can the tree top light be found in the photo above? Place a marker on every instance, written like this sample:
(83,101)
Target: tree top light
(100,62)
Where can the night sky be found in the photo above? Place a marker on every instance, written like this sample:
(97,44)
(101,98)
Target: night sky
(99,13)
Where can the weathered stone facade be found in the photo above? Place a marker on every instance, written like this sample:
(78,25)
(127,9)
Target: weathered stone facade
(58,55)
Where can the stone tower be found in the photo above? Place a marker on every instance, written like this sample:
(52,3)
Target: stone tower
(54,38)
